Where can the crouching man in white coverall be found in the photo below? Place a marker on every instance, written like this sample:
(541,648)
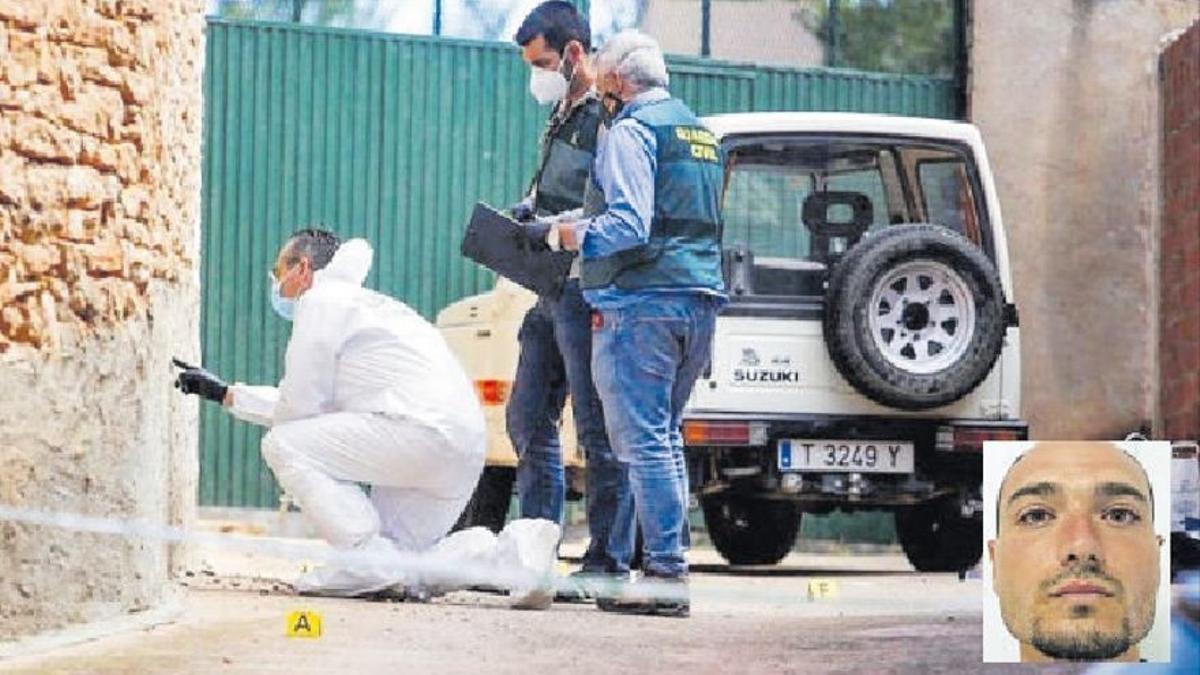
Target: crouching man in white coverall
(370,394)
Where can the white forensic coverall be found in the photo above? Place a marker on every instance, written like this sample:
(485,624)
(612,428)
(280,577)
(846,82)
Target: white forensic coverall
(370,394)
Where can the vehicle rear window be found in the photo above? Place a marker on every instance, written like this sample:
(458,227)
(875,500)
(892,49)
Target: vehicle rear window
(849,186)
(947,194)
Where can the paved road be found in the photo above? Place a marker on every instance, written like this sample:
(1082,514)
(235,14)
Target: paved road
(881,618)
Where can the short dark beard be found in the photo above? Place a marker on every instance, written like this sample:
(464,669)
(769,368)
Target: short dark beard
(1082,646)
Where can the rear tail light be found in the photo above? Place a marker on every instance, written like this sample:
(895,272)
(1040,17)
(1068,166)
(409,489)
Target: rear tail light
(971,439)
(492,392)
(700,432)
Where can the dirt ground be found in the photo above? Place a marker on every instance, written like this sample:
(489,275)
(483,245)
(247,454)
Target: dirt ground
(236,632)
(881,617)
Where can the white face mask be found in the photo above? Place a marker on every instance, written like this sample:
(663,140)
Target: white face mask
(547,86)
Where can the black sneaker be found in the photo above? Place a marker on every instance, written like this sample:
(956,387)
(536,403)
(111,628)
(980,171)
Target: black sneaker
(651,595)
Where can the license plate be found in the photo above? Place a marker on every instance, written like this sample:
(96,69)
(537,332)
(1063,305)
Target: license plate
(846,456)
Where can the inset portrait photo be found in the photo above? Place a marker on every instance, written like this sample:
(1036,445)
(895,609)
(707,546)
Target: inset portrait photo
(1076,562)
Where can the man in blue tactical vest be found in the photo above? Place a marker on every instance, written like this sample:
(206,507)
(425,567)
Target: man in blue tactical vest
(555,337)
(651,268)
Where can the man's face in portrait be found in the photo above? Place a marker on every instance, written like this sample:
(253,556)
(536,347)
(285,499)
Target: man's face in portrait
(1075,559)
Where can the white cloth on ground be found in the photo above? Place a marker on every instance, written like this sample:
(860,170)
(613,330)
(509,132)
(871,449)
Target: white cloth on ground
(521,560)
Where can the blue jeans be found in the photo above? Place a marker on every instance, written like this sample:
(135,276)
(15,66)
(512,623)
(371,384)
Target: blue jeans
(646,357)
(556,358)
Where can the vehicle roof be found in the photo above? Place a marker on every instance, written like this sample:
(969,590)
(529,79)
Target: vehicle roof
(810,122)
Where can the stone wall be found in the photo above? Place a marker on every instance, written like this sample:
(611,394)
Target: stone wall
(1065,93)
(1179,252)
(100,113)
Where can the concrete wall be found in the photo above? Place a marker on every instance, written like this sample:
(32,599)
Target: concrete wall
(1179,251)
(100,112)
(763,31)
(1065,93)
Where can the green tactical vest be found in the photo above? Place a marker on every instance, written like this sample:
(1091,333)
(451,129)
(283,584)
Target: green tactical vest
(568,148)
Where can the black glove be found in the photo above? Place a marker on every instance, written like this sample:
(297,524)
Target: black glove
(195,380)
(523,211)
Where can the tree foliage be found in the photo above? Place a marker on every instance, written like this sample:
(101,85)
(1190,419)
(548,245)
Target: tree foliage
(891,36)
(479,19)
(319,12)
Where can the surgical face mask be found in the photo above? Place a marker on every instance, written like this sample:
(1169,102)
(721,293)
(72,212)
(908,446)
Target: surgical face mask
(547,86)
(284,307)
(551,86)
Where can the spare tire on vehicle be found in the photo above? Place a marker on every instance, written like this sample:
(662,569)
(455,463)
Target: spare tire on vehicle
(914,316)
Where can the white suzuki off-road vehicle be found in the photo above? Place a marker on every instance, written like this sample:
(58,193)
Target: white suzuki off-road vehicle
(869,348)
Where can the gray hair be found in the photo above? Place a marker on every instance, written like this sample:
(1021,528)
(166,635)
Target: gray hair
(636,58)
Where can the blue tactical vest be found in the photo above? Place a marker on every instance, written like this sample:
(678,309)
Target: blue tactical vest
(684,249)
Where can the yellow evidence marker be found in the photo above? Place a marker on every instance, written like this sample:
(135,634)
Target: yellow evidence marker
(304,623)
(822,589)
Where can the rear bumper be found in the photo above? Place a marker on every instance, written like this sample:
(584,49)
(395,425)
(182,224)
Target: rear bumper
(942,467)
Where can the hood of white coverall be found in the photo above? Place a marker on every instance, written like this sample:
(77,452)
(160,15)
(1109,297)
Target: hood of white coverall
(350,264)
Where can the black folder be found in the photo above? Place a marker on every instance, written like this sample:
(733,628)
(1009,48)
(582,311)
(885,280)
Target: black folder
(501,244)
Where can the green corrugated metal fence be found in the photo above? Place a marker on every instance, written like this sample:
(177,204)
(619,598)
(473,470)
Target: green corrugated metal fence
(394,137)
